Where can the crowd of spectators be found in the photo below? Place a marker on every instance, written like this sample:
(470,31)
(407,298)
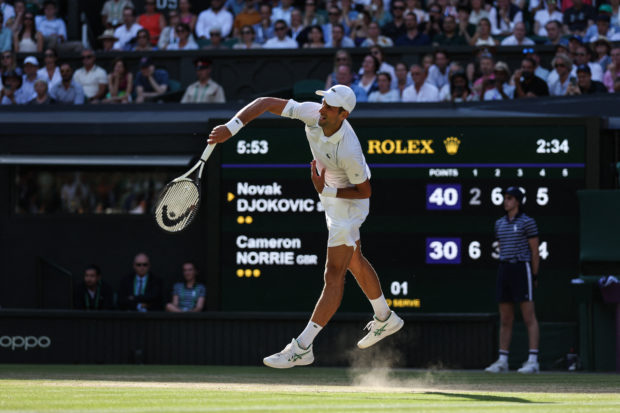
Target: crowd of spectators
(583,33)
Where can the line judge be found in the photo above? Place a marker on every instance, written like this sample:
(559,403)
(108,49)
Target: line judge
(342,178)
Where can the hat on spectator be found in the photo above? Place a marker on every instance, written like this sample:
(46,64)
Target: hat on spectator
(215,29)
(516,192)
(577,38)
(340,96)
(108,34)
(605,8)
(9,74)
(31,60)
(584,68)
(602,40)
(202,63)
(563,42)
(603,18)
(145,62)
(502,67)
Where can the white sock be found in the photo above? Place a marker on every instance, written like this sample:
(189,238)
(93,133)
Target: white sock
(381,308)
(533,358)
(307,336)
(503,356)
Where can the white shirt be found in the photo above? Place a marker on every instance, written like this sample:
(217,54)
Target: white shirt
(50,27)
(512,41)
(90,80)
(494,18)
(595,70)
(543,17)
(391,96)
(124,35)
(275,43)
(341,154)
(278,13)
(493,94)
(427,93)
(191,45)
(51,82)
(436,78)
(556,87)
(114,10)
(223,19)
(7,11)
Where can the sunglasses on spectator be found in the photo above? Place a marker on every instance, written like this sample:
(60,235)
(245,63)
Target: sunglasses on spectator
(334,13)
(6,56)
(215,34)
(49,55)
(141,264)
(560,65)
(580,54)
(279,29)
(28,18)
(399,7)
(246,32)
(88,56)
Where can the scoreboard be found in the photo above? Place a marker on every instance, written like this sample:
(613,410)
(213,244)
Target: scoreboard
(437,192)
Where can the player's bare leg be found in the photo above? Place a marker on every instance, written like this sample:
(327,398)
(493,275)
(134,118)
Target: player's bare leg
(365,274)
(531,323)
(506,317)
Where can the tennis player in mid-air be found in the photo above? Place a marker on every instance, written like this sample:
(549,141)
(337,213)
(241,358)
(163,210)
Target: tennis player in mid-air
(342,178)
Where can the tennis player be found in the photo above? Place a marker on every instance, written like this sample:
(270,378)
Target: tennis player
(342,178)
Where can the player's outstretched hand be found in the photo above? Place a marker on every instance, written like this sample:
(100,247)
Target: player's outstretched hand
(219,134)
(317,180)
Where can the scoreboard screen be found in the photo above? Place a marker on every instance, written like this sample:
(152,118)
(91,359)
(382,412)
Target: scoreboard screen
(437,192)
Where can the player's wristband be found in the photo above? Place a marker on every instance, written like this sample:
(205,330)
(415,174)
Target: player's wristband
(329,191)
(234,125)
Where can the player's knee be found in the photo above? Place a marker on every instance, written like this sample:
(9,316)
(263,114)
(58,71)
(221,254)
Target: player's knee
(507,319)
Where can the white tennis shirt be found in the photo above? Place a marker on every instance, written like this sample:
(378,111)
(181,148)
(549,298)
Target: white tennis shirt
(340,155)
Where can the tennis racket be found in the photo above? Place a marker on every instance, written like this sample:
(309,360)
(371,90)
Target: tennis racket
(178,203)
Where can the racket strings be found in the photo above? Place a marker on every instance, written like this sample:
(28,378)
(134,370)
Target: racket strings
(177,205)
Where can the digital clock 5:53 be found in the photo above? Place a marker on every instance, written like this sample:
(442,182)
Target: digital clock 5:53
(253,147)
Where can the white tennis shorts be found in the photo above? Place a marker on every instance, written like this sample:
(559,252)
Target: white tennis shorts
(344,218)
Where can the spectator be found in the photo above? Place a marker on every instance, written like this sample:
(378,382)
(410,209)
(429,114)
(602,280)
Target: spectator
(573,43)
(67,91)
(8,63)
(427,61)
(216,41)
(299,32)
(502,89)
(375,37)
(107,40)
(93,293)
(544,16)
(6,36)
(438,73)
(50,72)
(553,29)
(282,40)
(128,30)
(150,82)
(503,18)
(379,13)
(42,96)
(112,12)
(350,11)
(247,39)
(483,35)
(377,52)
(186,14)
(527,84)
(28,39)
(92,78)
(419,91)
(583,56)
(205,90)
(563,67)
(477,12)
(334,17)
(265,29)
(578,18)
(7,10)
(613,70)
(450,35)
(602,48)
(412,36)
(465,28)
(188,295)
(414,6)
(31,67)
(615,12)
(539,71)
(344,76)
(396,28)
(384,92)
(168,35)
(458,88)
(341,57)
(142,42)
(432,26)
(403,78)
(140,291)
(486,80)
(517,38)
(283,11)
(186,39)
(15,23)
(249,16)
(368,77)
(359,27)
(316,40)
(585,85)
(12,92)
(338,38)
(215,16)
(311,15)
(601,29)
(120,83)
(52,28)
(152,21)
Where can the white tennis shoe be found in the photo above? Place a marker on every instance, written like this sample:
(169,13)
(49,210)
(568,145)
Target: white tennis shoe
(529,367)
(497,367)
(291,356)
(380,329)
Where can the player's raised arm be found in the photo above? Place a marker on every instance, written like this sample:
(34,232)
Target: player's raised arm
(222,133)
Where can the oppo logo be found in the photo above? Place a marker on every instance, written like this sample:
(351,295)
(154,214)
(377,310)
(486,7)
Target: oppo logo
(17,342)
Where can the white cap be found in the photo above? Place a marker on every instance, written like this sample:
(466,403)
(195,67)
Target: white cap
(340,96)
(32,60)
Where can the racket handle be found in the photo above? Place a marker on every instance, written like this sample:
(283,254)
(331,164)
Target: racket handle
(207,152)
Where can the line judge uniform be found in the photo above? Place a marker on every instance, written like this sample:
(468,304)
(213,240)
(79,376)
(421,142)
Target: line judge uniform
(342,158)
